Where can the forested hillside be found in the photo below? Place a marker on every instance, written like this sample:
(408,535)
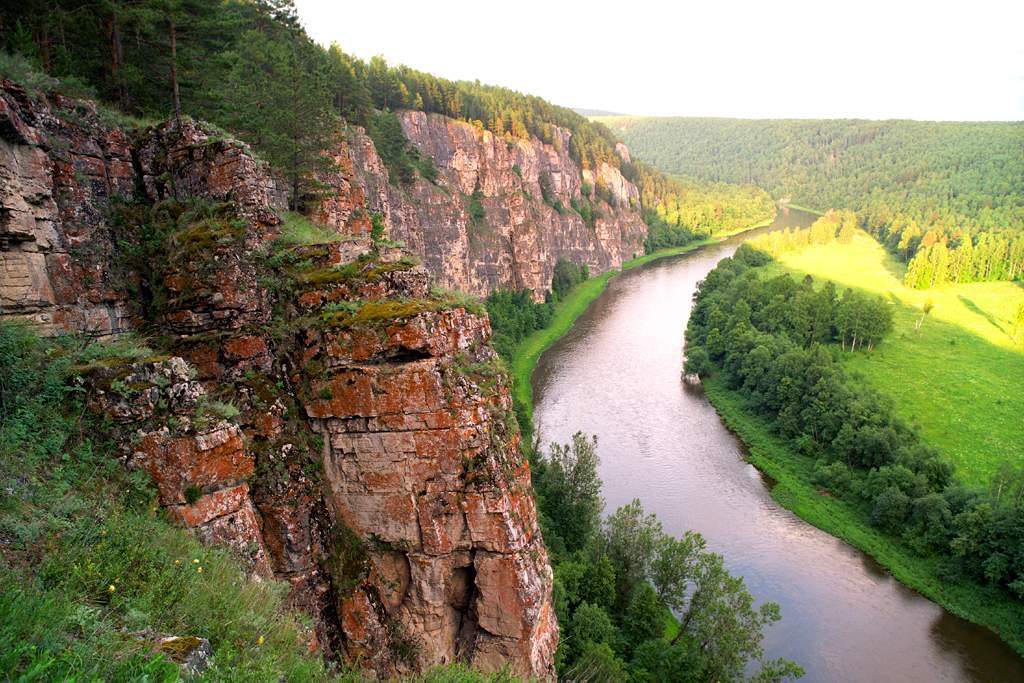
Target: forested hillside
(914,184)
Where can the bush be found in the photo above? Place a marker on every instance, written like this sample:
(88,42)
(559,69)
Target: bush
(566,276)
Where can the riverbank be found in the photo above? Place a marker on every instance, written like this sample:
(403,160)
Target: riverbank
(794,491)
(575,303)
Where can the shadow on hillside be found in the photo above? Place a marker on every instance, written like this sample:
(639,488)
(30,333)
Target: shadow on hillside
(973,308)
(960,378)
(896,268)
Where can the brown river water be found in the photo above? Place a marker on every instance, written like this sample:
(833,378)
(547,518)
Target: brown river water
(616,374)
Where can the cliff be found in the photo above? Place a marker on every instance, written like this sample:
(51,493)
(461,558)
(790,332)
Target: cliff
(525,228)
(319,408)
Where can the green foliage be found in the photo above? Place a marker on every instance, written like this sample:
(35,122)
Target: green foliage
(572,491)
(515,315)
(758,333)
(616,581)
(566,276)
(912,183)
(376,227)
(953,173)
(193,494)
(171,234)
(547,191)
(291,126)
(644,617)
(20,69)
(587,211)
(297,230)
(90,574)
(987,257)
(681,210)
(402,160)
(954,371)
(589,624)
(598,663)
(475,208)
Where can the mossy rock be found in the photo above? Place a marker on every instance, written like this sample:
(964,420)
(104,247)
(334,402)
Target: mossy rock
(348,561)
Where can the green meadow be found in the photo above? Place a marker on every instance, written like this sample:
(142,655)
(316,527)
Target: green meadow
(956,372)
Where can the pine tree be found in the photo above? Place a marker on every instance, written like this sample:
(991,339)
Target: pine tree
(281,101)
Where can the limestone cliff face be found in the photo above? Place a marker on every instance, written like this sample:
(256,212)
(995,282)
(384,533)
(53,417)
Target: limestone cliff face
(369,455)
(521,236)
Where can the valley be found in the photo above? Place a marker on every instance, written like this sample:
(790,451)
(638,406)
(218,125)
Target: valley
(318,366)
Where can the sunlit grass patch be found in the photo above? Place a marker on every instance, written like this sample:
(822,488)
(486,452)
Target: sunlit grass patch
(956,372)
(297,230)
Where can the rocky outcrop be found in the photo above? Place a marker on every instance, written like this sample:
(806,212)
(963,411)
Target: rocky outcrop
(525,229)
(421,461)
(320,409)
(196,459)
(60,165)
(64,166)
(184,160)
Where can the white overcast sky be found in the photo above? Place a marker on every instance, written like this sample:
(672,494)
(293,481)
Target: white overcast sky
(863,59)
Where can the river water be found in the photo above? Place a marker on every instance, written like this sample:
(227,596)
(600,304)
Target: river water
(616,374)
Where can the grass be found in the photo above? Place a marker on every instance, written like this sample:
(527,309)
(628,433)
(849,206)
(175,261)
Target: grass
(297,230)
(91,573)
(793,490)
(958,377)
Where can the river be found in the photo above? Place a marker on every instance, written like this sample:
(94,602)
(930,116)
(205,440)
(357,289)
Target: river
(616,374)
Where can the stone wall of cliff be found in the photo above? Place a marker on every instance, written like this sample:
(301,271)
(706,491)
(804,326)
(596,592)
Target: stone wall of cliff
(321,409)
(521,237)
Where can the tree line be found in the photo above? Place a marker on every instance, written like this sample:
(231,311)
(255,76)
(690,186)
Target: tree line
(912,183)
(773,340)
(679,210)
(619,581)
(154,57)
(986,257)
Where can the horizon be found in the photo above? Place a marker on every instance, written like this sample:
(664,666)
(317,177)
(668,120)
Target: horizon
(921,63)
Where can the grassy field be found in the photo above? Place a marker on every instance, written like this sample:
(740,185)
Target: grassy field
(844,520)
(959,376)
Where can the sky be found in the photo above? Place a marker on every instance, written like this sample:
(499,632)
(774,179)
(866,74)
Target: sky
(933,60)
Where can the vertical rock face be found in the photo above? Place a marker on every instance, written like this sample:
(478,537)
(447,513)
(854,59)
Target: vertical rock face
(421,455)
(59,167)
(521,236)
(369,455)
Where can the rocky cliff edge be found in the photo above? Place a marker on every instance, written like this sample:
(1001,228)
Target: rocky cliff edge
(320,408)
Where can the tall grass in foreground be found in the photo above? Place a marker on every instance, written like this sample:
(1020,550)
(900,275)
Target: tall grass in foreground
(91,574)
